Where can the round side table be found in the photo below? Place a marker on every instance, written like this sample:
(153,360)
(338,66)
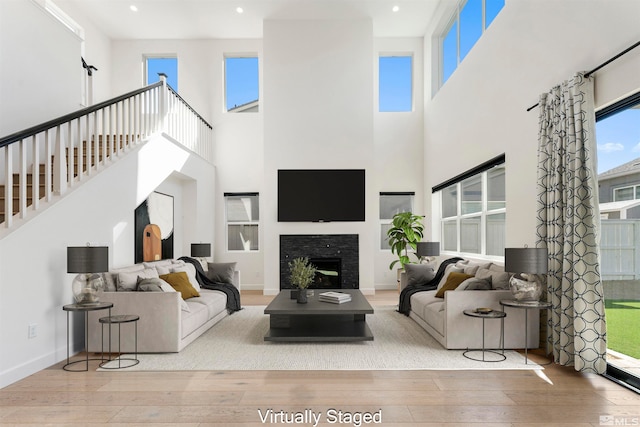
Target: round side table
(494,314)
(526,305)
(119,320)
(86,308)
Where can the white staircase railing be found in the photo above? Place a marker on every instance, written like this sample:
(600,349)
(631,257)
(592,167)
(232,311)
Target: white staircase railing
(50,158)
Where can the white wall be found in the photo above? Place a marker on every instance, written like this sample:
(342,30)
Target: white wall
(34,284)
(398,147)
(531,46)
(40,71)
(318,113)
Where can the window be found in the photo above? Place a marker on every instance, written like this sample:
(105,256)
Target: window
(243,215)
(241,84)
(395,83)
(466,26)
(166,65)
(473,212)
(624,193)
(391,204)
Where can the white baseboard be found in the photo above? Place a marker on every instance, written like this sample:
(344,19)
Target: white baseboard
(30,367)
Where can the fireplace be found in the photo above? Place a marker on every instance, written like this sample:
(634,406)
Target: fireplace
(334,255)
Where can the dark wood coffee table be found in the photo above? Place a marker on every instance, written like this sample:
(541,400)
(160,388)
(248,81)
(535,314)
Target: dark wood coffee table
(318,321)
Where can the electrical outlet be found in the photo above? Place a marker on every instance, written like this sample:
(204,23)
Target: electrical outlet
(33,330)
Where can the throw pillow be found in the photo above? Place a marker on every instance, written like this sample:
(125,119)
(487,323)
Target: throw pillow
(499,280)
(127,281)
(180,282)
(221,272)
(474,284)
(168,288)
(419,274)
(448,270)
(191,274)
(149,285)
(454,280)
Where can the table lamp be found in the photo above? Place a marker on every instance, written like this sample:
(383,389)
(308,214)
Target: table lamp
(200,250)
(87,260)
(427,249)
(530,266)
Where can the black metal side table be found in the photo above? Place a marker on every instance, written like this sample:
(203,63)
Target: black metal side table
(119,320)
(526,305)
(86,308)
(484,315)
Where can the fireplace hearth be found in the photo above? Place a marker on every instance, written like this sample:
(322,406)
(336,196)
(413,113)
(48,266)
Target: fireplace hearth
(334,255)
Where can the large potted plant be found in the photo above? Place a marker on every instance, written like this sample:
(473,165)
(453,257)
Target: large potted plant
(406,231)
(301,275)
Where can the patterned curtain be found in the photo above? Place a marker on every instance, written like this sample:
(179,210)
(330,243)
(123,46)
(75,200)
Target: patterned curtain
(568,219)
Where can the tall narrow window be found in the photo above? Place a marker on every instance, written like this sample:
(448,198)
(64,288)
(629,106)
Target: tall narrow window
(391,204)
(241,84)
(243,216)
(395,83)
(450,52)
(166,65)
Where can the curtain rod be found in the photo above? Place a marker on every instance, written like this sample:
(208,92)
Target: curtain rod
(607,62)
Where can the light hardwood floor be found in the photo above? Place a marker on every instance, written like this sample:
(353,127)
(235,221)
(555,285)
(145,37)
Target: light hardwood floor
(554,396)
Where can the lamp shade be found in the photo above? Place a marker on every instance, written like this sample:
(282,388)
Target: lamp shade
(526,260)
(428,249)
(87,259)
(200,249)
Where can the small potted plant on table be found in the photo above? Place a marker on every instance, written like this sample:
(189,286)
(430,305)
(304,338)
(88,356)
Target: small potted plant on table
(301,275)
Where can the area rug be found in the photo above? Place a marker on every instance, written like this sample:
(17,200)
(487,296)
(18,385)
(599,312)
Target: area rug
(237,343)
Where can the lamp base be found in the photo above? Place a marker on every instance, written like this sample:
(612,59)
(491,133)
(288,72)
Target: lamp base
(526,287)
(85,289)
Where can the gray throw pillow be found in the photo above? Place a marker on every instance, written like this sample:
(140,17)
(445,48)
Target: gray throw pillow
(221,272)
(475,284)
(149,285)
(419,274)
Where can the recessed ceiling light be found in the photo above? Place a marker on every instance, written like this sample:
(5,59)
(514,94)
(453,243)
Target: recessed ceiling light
(396,8)
(239,10)
(133,8)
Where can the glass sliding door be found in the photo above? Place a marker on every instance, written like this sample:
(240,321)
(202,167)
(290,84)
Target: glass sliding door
(618,137)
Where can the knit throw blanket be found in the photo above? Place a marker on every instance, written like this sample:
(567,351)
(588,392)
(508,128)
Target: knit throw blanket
(233,295)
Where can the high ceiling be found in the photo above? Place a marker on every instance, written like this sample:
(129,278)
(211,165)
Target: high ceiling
(204,19)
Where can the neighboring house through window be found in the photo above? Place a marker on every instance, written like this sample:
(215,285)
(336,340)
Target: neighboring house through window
(243,216)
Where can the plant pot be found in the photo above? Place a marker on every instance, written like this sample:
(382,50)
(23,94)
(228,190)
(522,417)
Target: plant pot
(302,296)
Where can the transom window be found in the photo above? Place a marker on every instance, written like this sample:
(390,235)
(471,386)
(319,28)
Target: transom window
(243,216)
(391,204)
(469,21)
(395,83)
(241,84)
(473,214)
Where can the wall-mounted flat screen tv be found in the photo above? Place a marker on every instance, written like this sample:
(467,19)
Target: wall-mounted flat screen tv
(321,195)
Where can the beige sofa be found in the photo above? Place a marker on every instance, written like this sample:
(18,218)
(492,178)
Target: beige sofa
(167,322)
(443,318)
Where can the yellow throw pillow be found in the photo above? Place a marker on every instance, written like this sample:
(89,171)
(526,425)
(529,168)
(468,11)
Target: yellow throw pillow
(453,281)
(180,282)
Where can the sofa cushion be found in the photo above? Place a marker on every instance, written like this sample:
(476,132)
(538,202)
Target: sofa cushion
(215,301)
(453,281)
(197,316)
(499,279)
(221,272)
(180,282)
(475,284)
(128,280)
(149,285)
(419,274)
(429,308)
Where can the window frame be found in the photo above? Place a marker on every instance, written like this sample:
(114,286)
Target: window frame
(147,57)
(238,108)
(454,19)
(236,223)
(388,221)
(457,219)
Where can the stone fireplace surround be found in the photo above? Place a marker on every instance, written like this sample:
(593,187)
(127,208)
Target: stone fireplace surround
(319,246)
